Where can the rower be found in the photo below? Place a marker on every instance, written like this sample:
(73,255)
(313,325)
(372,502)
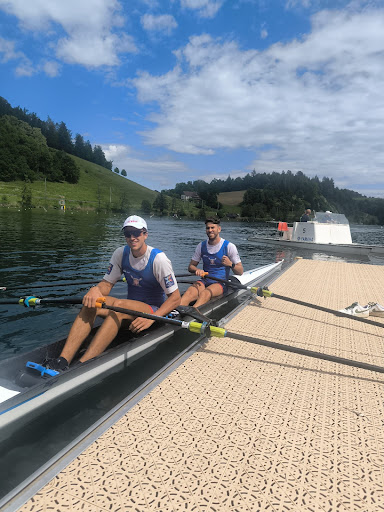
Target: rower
(219,257)
(152,288)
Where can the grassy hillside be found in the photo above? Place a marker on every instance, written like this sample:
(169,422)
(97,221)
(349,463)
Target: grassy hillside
(97,188)
(231,198)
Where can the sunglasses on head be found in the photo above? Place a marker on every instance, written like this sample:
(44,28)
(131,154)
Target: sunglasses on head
(135,233)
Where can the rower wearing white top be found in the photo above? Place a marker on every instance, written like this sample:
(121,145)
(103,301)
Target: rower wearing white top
(152,288)
(219,257)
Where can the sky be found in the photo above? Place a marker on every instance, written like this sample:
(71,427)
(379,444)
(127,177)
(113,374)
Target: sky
(180,90)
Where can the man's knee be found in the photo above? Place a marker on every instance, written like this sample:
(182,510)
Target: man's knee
(199,287)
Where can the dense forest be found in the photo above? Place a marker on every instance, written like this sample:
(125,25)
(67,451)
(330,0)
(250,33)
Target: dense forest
(57,135)
(285,195)
(25,155)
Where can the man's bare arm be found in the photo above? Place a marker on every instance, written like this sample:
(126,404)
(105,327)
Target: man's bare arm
(192,267)
(102,289)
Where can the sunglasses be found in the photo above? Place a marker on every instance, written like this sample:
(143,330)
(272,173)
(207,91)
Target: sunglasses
(135,233)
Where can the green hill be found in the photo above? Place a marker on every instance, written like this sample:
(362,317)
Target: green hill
(97,188)
(231,198)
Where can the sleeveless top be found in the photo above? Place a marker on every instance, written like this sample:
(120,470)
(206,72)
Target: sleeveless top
(212,262)
(142,284)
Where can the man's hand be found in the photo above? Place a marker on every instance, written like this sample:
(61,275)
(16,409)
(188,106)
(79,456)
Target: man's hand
(199,272)
(140,324)
(226,261)
(89,299)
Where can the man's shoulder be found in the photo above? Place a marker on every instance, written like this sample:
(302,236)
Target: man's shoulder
(119,252)
(160,256)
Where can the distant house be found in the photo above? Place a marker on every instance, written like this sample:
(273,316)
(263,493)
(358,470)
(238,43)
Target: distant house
(188,195)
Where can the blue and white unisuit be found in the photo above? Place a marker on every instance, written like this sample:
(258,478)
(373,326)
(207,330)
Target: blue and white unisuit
(142,284)
(212,262)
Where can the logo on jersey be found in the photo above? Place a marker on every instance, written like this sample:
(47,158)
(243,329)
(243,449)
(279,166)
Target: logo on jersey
(136,280)
(168,280)
(109,270)
(212,261)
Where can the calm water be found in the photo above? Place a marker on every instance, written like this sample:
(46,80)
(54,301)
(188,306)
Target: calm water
(47,247)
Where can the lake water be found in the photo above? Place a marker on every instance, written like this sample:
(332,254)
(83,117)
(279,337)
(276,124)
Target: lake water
(40,247)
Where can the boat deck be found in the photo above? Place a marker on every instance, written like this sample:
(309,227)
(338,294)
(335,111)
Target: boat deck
(240,427)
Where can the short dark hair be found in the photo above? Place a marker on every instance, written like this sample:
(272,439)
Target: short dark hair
(213,220)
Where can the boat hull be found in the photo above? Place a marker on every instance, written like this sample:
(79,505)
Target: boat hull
(352,249)
(29,401)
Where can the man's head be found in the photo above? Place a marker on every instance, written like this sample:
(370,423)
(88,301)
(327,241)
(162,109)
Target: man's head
(212,228)
(135,231)
(308,211)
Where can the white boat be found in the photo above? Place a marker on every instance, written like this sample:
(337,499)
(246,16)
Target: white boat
(327,232)
(24,390)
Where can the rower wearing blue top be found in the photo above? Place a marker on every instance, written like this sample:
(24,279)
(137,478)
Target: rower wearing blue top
(219,257)
(143,285)
(152,288)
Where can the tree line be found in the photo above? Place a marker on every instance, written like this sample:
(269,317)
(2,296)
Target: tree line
(285,195)
(57,135)
(25,155)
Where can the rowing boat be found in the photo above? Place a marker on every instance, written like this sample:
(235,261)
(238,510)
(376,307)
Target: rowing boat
(24,390)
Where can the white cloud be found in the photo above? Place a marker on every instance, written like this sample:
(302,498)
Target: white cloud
(25,69)
(157,173)
(164,23)
(51,68)
(204,8)
(92,27)
(314,104)
(91,50)
(290,4)
(8,51)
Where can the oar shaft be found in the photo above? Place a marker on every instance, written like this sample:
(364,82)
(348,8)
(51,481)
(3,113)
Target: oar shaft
(33,301)
(228,282)
(53,285)
(305,352)
(75,300)
(267,293)
(132,312)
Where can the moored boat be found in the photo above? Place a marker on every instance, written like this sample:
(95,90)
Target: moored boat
(327,232)
(24,390)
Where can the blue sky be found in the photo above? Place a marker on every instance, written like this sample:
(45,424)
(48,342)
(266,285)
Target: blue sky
(198,89)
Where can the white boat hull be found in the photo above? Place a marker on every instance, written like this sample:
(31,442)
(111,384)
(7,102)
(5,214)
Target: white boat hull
(353,249)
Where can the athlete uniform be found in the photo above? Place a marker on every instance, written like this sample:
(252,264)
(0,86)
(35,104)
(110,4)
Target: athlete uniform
(212,256)
(150,277)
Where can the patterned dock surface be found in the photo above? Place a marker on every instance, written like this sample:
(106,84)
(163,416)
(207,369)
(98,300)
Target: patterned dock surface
(240,427)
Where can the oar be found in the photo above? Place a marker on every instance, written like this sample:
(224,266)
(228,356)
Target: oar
(67,283)
(34,301)
(219,332)
(261,292)
(54,285)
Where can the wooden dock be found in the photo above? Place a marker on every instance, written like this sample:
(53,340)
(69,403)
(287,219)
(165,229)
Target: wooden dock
(240,427)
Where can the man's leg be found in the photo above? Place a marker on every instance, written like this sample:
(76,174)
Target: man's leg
(81,327)
(111,325)
(213,290)
(192,293)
